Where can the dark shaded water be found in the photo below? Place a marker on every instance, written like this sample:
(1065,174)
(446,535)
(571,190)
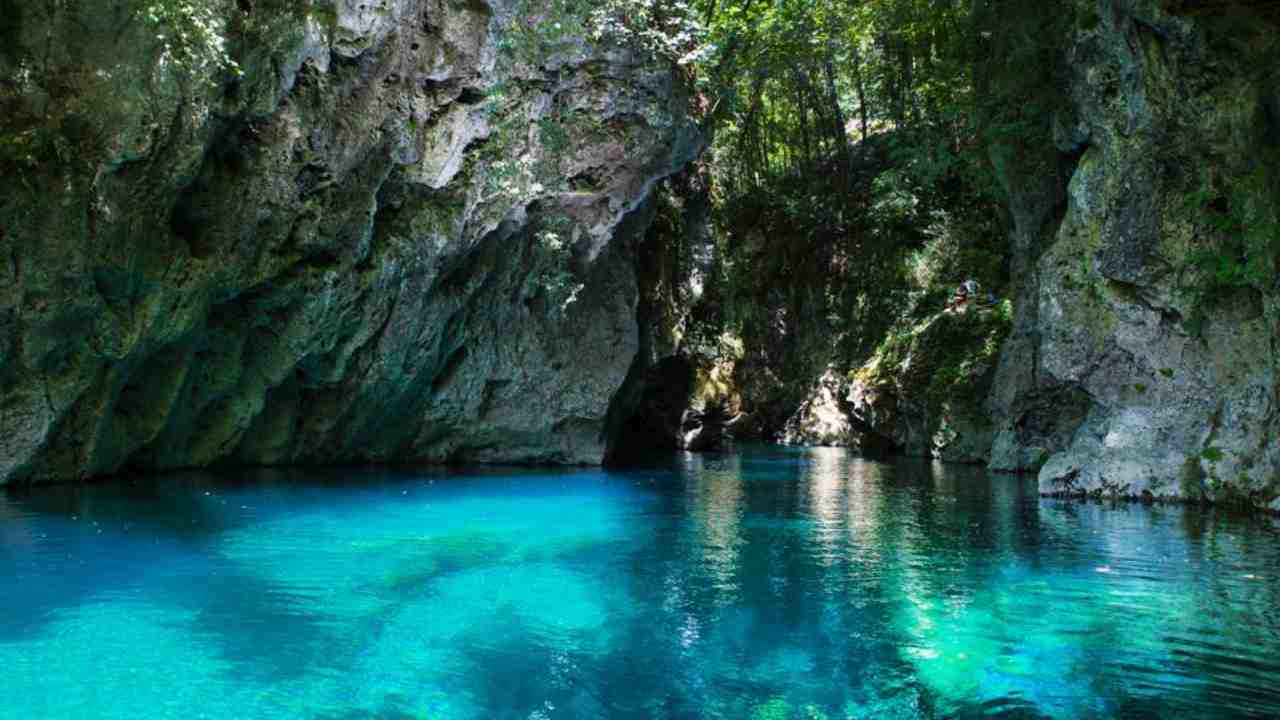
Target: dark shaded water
(767,585)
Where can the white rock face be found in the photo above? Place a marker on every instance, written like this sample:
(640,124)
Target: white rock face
(824,419)
(364,24)
(446,146)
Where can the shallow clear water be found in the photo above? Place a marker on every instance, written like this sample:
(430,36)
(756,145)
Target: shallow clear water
(766,585)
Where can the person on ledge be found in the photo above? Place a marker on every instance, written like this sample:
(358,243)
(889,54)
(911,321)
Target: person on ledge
(967,291)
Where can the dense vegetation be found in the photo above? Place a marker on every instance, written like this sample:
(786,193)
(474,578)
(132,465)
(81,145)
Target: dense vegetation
(858,168)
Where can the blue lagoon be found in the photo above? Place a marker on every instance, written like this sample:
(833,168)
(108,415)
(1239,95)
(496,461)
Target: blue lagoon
(765,585)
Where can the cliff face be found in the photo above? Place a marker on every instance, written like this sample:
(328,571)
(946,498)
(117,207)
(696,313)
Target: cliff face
(1143,258)
(1143,359)
(271,232)
(401,233)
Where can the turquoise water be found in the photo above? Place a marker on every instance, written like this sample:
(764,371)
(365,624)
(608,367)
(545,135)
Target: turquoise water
(766,585)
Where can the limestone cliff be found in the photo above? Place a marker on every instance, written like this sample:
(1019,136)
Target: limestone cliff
(1143,361)
(343,230)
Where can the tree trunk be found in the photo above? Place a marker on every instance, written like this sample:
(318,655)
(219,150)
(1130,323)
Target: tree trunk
(861,86)
(838,134)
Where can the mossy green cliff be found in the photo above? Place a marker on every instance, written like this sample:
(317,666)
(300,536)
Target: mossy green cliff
(274,233)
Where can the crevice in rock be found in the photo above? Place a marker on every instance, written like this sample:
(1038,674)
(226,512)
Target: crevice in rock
(449,370)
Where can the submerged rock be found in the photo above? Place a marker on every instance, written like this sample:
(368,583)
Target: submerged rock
(383,236)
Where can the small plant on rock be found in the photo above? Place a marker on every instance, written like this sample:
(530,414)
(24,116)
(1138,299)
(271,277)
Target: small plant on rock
(193,38)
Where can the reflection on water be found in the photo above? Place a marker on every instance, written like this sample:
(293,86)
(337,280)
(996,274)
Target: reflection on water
(765,585)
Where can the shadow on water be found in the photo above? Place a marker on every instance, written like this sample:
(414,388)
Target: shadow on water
(261,629)
(77,541)
(74,542)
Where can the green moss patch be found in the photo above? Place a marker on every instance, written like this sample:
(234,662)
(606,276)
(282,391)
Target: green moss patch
(942,360)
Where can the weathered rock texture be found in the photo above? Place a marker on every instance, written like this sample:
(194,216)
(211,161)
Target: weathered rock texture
(922,394)
(1136,368)
(387,240)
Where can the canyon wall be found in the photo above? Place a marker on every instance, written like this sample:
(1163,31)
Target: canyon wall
(347,231)
(1140,179)
(1143,360)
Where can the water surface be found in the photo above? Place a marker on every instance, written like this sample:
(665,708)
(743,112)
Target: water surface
(766,585)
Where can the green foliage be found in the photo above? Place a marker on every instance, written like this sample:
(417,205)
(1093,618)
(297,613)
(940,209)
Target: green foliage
(1246,227)
(26,150)
(545,29)
(1239,246)
(941,359)
(851,165)
(1191,481)
(1087,18)
(551,279)
(192,34)
(46,126)
(969,354)
(668,29)
(962,241)
(950,78)
(51,115)
(542,29)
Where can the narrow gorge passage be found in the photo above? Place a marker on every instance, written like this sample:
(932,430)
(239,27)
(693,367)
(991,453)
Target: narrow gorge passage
(663,359)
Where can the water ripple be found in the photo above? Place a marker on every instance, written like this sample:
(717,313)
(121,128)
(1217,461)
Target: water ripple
(766,585)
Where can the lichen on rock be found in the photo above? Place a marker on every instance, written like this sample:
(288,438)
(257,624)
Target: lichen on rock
(326,255)
(1166,375)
